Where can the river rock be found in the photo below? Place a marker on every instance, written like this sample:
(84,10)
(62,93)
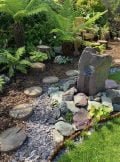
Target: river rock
(71,73)
(114,94)
(111,84)
(11,139)
(33,91)
(64,128)
(81,119)
(68,84)
(52,90)
(80,100)
(57,137)
(69,95)
(57,96)
(93,71)
(22,111)
(116,107)
(106,101)
(71,106)
(50,79)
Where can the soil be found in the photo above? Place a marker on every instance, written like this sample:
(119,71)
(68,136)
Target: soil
(13,94)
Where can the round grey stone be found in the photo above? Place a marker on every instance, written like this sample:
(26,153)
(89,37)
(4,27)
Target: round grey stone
(21,111)
(50,79)
(64,128)
(12,139)
(71,73)
(33,91)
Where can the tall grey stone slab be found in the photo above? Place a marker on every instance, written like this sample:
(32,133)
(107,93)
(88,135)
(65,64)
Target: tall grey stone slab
(93,71)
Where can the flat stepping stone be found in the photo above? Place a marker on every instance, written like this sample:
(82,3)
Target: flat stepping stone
(116,62)
(22,111)
(57,136)
(71,73)
(50,79)
(11,139)
(38,66)
(33,91)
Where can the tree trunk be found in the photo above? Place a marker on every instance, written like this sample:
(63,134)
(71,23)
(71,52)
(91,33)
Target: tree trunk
(19,34)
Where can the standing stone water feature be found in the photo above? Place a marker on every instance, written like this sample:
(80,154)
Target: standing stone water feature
(93,71)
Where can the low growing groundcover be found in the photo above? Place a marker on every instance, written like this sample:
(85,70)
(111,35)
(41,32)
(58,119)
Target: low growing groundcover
(102,146)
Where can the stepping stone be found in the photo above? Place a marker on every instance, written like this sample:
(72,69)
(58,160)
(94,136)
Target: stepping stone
(38,66)
(22,111)
(111,84)
(11,139)
(33,91)
(81,119)
(64,128)
(50,80)
(57,137)
(71,73)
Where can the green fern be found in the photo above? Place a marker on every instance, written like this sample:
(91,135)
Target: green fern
(14,63)
(37,56)
(65,22)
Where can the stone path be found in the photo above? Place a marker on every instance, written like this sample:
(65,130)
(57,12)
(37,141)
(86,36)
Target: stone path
(40,139)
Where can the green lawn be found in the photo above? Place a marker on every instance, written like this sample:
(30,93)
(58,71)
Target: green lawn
(102,146)
(115,76)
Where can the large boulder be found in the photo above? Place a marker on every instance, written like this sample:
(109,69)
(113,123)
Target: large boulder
(93,71)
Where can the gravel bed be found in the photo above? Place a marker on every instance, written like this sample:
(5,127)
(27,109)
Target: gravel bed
(40,141)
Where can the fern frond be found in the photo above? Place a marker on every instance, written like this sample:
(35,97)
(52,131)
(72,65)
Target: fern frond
(20,52)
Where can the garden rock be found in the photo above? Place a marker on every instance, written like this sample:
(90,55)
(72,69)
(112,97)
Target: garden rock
(57,96)
(93,103)
(81,119)
(116,107)
(69,95)
(71,106)
(38,66)
(114,95)
(68,84)
(11,139)
(50,79)
(106,101)
(52,90)
(81,100)
(63,108)
(33,91)
(111,84)
(22,111)
(64,128)
(71,73)
(93,71)
(57,137)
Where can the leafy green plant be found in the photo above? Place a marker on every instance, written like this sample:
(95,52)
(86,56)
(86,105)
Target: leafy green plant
(37,56)
(2,82)
(14,62)
(66,28)
(18,9)
(99,112)
(69,117)
(70,144)
(62,60)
